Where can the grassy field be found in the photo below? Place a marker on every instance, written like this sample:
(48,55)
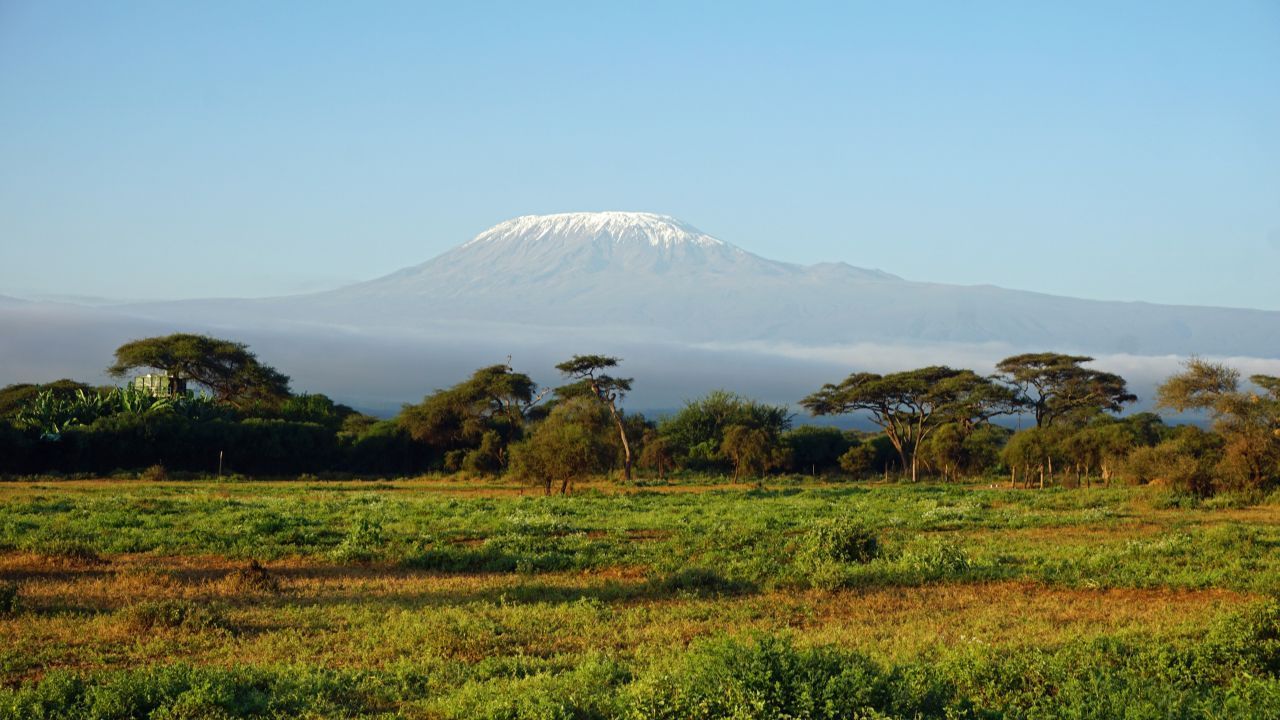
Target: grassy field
(435,599)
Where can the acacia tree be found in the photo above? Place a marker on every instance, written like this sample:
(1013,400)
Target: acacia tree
(1056,386)
(1247,419)
(910,405)
(226,368)
(476,419)
(588,370)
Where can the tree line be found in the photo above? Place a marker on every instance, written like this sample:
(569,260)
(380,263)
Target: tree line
(935,421)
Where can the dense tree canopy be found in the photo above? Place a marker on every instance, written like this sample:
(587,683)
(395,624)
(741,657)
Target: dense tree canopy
(910,405)
(229,371)
(473,422)
(697,432)
(1058,387)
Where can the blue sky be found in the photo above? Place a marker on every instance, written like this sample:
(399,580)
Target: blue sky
(1105,150)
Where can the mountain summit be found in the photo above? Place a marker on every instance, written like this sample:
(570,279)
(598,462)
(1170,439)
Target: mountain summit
(554,258)
(659,231)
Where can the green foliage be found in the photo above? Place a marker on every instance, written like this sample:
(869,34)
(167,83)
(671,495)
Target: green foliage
(1185,462)
(697,432)
(575,441)
(489,409)
(909,406)
(937,560)
(232,373)
(815,449)
(364,541)
(1248,420)
(173,692)
(771,678)
(750,450)
(15,397)
(1058,388)
(172,614)
(842,540)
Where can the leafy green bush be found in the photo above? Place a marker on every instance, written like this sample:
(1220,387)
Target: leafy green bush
(768,678)
(364,541)
(174,614)
(181,691)
(843,540)
(937,560)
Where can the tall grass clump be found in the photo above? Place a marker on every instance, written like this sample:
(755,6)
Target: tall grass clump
(8,598)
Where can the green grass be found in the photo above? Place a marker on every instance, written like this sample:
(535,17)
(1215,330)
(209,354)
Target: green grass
(439,599)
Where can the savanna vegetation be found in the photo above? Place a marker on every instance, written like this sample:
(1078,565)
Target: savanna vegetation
(500,550)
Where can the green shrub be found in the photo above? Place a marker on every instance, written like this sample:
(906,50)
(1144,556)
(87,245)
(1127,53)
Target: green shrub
(364,541)
(174,614)
(769,678)
(154,473)
(939,559)
(843,540)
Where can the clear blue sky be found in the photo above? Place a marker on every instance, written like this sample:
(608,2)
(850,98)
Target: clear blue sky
(1123,150)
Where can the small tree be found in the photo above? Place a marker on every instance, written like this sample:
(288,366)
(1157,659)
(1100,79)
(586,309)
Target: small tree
(472,423)
(656,453)
(749,449)
(697,431)
(570,444)
(589,371)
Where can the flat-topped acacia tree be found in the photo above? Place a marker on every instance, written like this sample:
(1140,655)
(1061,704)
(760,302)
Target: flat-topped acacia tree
(1057,387)
(226,368)
(588,370)
(910,405)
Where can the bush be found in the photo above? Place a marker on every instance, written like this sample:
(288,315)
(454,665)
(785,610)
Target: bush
(771,678)
(697,581)
(174,614)
(846,541)
(155,473)
(1185,463)
(937,560)
(364,541)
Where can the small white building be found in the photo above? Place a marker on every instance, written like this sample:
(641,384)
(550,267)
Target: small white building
(160,385)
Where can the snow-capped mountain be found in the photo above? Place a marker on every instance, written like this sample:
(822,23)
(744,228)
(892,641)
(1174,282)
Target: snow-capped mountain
(560,257)
(647,275)
(686,309)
